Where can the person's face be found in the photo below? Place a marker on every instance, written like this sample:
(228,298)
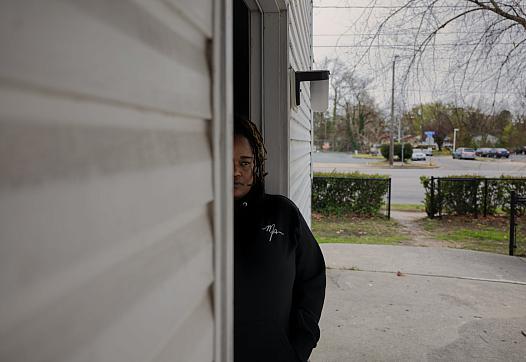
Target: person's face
(243,167)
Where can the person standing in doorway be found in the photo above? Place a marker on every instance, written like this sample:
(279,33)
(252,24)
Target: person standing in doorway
(279,270)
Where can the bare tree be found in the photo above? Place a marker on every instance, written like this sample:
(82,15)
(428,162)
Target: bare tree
(484,42)
(353,119)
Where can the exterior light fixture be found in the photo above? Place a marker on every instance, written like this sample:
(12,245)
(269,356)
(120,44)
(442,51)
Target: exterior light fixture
(319,88)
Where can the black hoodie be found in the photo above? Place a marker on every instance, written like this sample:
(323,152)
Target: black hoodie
(279,281)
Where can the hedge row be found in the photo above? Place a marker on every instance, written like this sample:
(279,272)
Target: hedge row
(397,151)
(474,195)
(348,193)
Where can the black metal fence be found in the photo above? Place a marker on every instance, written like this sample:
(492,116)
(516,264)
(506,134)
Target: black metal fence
(515,201)
(476,196)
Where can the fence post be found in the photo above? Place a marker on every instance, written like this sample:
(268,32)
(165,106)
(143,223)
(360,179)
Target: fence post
(432,198)
(513,234)
(485,197)
(439,198)
(389,202)
(475,191)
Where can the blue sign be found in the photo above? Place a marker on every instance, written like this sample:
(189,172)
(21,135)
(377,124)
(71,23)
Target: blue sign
(429,133)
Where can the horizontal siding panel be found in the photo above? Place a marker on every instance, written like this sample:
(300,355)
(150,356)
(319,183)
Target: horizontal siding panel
(300,176)
(193,340)
(299,149)
(164,312)
(296,60)
(299,184)
(300,33)
(301,45)
(34,159)
(48,108)
(299,54)
(106,185)
(303,117)
(32,155)
(198,12)
(304,106)
(304,21)
(120,313)
(56,237)
(300,192)
(298,167)
(304,200)
(117,52)
(300,51)
(298,132)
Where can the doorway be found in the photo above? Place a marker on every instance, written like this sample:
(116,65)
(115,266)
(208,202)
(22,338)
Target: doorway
(261,82)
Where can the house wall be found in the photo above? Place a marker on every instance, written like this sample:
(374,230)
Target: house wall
(301,120)
(107,181)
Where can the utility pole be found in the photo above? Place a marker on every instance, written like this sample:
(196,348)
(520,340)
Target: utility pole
(455,130)
(402,143)
(391,141)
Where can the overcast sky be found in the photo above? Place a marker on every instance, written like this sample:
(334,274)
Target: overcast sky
(343,32)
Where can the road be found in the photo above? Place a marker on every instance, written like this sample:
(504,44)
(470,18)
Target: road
(407,188)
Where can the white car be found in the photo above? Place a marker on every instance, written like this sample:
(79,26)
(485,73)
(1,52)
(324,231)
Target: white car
(418,156)
(463,153)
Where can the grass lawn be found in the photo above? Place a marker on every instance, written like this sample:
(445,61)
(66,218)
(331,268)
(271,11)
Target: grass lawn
(408,207)
(441,153)
(357,230)
(368,156)
(406,164)
(490,234)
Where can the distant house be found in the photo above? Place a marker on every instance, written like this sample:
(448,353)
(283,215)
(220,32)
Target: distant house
(115,195)
(413,140)
(486,139)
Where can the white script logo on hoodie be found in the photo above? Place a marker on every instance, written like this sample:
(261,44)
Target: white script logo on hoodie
(272,231)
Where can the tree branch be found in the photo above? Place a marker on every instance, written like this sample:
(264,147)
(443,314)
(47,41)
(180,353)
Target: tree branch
(497,10)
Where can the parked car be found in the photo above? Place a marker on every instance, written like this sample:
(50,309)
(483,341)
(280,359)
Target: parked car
(462,153)
(501,152)
(428,151)
(418,156)
(492,153)
(485,152)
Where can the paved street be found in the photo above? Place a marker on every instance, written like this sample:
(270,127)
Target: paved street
(407,188)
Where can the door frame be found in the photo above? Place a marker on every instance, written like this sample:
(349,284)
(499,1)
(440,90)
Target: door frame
(269,87)
(220,50)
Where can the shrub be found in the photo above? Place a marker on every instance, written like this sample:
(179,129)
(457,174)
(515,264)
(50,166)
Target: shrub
(408,151)
(471,196)
(348,193)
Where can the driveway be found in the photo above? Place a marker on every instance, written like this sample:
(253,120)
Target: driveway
(402,303)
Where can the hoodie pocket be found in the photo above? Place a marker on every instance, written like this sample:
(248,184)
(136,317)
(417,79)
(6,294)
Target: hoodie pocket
(261,342)
(288,349)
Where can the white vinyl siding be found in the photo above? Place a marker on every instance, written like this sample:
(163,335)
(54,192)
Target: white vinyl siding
(106,181)
(301,126)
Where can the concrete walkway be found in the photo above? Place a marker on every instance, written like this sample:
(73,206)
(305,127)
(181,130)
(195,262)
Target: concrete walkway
(402,303)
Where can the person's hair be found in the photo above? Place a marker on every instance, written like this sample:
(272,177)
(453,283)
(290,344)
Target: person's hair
(244,127)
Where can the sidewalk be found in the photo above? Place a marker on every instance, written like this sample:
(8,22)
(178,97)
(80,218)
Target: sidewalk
(328,167)
(444,305)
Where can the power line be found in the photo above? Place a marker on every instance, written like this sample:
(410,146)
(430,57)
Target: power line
(402,45)
(393,7)
(453,92)
(392,34)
